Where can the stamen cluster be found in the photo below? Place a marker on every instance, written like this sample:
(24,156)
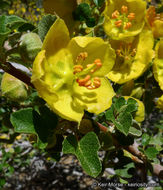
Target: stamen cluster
(123,19)
(87,81)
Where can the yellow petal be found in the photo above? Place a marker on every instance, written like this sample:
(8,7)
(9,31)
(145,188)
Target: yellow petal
(95,101)
(140,114)
(38,70)
(96,49)
(158,64)
(65,107)
(59,70)
(56,39)
(160,103)
(144,54)
(44,90)
(157,28)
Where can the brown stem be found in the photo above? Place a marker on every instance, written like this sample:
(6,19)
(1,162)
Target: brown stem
(8,68)
(133,149)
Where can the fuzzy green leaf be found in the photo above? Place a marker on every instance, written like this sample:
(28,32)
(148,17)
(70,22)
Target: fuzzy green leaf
(86,152)
(45,24)
(124,122)
(151,153)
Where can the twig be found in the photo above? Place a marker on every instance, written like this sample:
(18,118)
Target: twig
(133,149)
(8,68)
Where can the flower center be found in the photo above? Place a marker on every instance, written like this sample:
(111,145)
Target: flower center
(123,19)
(84,75)
(126,52)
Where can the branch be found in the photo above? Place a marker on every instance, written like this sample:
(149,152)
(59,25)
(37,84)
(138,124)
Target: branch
(8,68)
(141,158)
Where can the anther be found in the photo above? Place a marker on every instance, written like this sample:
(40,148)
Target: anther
(88,83)
(98,62)
(128,25)
(83,81)
(118,23)
(131,16)
(82,56)
(77,68)
(124,9)
(115,14)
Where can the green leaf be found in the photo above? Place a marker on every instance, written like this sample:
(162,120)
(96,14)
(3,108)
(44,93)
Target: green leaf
(45,24)
(110,114)
(124,122)
(124,172)
(119,103)
(2,182)
(151,153)
(82,12)
(145,139)
(135,129)
(86,152)
(4,31)
(14,22)
(22,121)
(106,141)
(40,123)
(8,24)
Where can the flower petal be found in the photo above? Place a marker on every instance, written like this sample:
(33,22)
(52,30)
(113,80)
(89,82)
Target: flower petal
(65,107)
(96,49)
(56,39)
(44,90)
(158,64)
(96,100)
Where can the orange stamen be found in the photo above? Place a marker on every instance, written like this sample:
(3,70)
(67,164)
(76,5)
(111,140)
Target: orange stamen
(88,83)
(131,16)
(82,56)
(115,14)
(118,23)
(124,9)
(128,25)
(77,68)
(83,81)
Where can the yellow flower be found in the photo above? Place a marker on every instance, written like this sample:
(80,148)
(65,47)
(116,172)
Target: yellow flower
(132,58)
(155,21)
(63,8)
(69,74)
(158,63)
(140,114)
(124,18)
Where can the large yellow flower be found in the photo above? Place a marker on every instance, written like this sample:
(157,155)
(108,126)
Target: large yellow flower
(69,74)
(132,58)
(124,18)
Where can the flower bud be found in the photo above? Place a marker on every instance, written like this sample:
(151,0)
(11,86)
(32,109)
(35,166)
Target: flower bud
(12,88)
(30,45)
